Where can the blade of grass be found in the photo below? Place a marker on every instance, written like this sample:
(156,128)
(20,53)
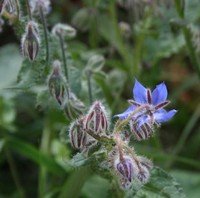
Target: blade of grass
(74,184)
(30,152)
(187,130)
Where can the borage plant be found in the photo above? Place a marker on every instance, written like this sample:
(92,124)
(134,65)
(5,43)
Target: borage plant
(94,130)
(104,145)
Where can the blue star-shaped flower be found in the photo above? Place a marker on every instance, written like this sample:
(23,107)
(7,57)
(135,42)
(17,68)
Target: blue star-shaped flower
(153,112)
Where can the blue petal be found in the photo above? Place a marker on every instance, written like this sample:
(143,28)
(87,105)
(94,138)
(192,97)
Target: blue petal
(159,94)
(163,116)
(142,120)
(126,113)
(139,93)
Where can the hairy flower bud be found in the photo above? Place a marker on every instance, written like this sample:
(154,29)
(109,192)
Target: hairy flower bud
(77,134)
(72,106)
(36,5)
(56,83)
(96,120)
(126,167)
(30,41)
(144,172)
(143,175)
(142,132)
(64,30)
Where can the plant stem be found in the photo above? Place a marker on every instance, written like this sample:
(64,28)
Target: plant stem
(64,57)
(89,74)
(121,123)
(188,36)
(102,138)
(28,10)
(14,173)
(18,8)
(44,23)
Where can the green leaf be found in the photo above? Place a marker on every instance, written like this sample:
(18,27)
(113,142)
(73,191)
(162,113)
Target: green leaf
(79,160)
(189,180)
(75,80)
(97,186)
(10,62)
(95,63)
(33,154)
(161,185)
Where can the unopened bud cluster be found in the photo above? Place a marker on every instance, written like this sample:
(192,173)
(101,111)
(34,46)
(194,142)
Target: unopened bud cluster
(94,122)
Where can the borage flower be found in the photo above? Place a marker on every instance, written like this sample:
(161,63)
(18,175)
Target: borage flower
(152,111)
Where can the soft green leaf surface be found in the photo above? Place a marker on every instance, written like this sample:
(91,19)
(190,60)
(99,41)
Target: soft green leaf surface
(10,62)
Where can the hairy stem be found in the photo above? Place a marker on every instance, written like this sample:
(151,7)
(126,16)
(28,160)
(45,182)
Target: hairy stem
(28,10)
(64,57)
(44,23)
(89,75)
(102,138)
(122,123)
(18,8)
(14,173)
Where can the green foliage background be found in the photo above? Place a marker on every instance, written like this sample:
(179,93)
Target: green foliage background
(35,152)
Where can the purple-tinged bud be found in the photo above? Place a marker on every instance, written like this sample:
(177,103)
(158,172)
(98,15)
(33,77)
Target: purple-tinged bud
(146,162)
(72,106)
(142,132)
(64,30)
(77,134)
(144,171)
(143,175)
(124,183)
(36,5)
(56,83)
(31,41)
(96,120)
(126,167)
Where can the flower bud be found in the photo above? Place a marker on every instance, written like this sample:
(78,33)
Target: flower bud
(77,134)
(64,30)
(142,132)
(126,167)
(30,41)
(96,120)
(72,106)
(146,162)
(36,5)
(56,83)
(124,183)
(143,174)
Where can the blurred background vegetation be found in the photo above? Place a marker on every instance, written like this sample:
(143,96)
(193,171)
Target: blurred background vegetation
(152,40)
